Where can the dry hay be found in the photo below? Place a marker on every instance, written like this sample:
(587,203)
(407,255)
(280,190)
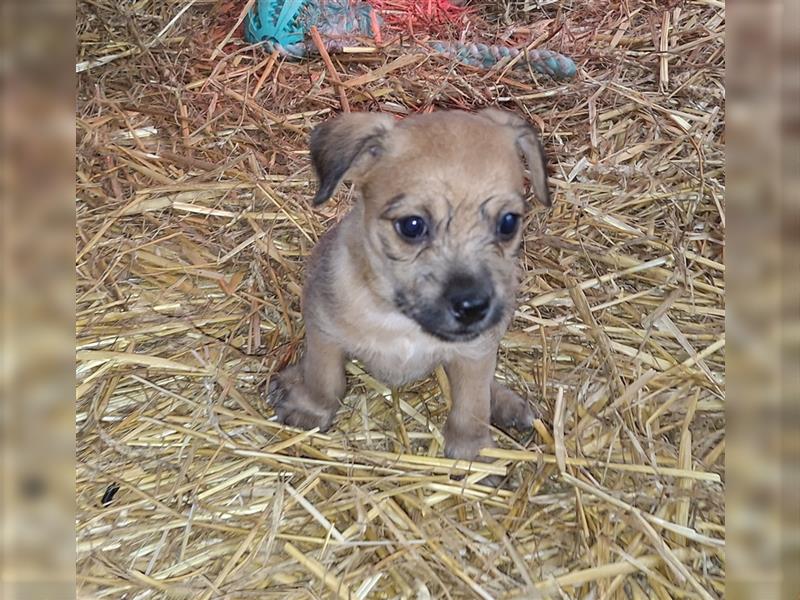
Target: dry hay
(193,222)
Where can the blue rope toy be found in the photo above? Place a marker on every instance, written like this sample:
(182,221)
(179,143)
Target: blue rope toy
(282,25)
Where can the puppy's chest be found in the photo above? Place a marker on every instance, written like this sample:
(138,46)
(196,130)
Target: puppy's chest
(393,349)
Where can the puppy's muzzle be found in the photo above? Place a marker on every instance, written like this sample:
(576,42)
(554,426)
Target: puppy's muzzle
(466,307)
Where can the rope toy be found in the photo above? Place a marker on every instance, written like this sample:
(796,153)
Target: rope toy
(542,61)
(283,25)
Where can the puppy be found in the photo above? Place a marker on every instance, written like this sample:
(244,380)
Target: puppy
(423,270)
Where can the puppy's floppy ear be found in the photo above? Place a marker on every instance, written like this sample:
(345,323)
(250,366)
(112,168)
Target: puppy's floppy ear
(529,146)
(346,146)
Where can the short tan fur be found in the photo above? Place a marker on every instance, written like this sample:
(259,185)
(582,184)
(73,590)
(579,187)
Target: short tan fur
(423,270)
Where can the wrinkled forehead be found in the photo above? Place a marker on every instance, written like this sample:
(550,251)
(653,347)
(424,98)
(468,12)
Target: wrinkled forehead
(462,157)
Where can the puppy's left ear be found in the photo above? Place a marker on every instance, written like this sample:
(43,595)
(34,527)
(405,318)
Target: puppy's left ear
(529,145)
(345,147)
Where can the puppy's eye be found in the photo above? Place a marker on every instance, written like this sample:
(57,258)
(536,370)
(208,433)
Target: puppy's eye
(412,228)
(507,225)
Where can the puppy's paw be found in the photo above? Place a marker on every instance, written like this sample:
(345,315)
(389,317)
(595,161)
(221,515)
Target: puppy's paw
(466,445)
(295,406)
(510,410)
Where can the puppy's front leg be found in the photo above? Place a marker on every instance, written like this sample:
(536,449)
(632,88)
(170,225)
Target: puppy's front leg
(308,395)
(467,428)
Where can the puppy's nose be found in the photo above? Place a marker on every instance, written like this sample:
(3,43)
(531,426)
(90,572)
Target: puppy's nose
(469,304)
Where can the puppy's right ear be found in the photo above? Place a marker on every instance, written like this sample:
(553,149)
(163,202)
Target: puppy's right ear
(346,146)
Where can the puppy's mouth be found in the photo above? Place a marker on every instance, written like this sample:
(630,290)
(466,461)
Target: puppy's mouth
(439,322)
(452,336)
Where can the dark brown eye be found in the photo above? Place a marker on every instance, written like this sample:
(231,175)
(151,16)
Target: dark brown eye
(507,225)
(411,228)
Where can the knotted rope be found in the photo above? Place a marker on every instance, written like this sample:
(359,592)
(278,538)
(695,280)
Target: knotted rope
(283,26)
(542,61)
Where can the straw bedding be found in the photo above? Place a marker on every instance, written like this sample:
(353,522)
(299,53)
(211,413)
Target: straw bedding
(193,223)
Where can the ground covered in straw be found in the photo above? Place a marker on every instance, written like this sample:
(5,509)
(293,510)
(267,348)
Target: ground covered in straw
(193,222)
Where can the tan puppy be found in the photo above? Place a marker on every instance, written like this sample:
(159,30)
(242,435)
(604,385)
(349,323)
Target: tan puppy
(423,269)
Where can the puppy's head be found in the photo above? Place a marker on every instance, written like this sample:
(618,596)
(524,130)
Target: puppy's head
(443,198)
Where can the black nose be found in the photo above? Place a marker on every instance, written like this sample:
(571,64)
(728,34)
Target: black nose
(469,301)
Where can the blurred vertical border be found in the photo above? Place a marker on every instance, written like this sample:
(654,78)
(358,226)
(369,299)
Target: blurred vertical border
(763,310)
(38,303)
